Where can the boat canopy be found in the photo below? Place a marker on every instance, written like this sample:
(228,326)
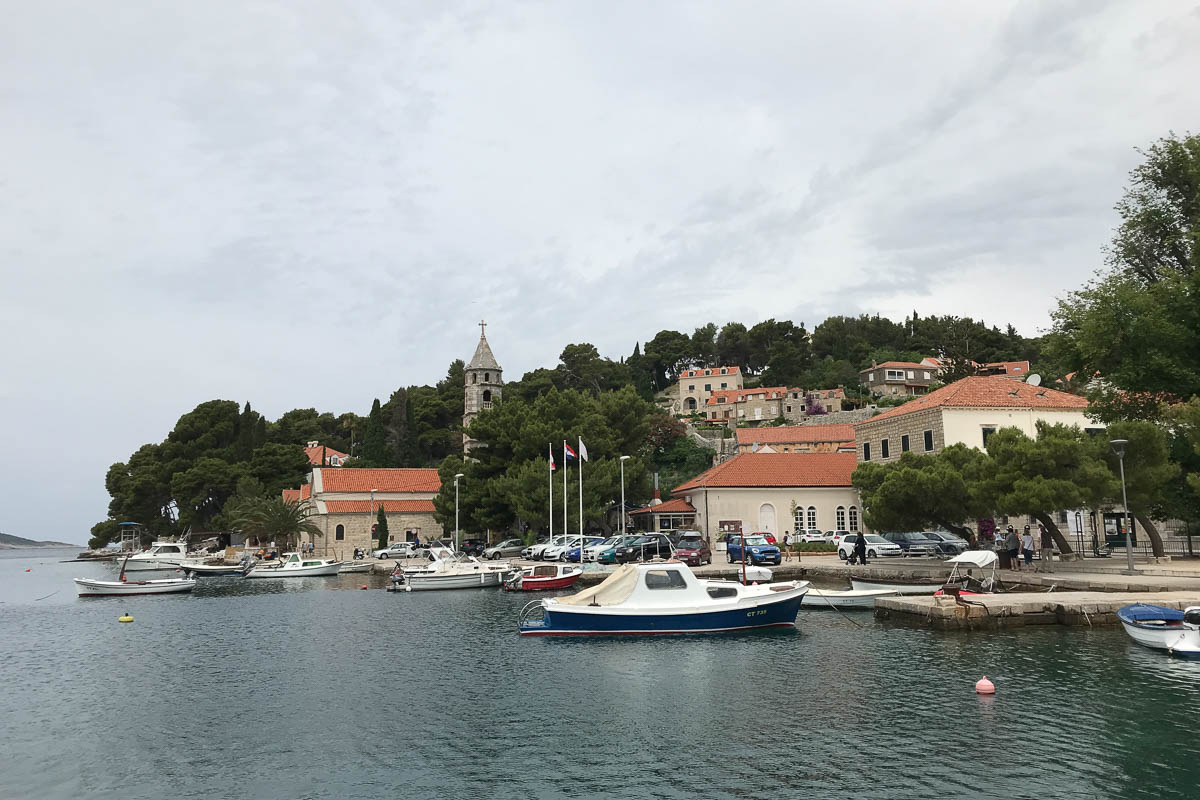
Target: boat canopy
(614,590)
(975,558)
(1143,612)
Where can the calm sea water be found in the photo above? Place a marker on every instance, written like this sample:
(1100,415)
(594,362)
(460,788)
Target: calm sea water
(314,688)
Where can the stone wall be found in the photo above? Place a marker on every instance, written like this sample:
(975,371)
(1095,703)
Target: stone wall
(833,418)
(913,425)
(357,531)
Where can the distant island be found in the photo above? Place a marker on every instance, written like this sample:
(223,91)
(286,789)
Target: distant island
(10,542)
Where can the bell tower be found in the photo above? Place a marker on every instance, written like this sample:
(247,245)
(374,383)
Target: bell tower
(483,384)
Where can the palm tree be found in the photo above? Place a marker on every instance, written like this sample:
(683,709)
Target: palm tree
(273,519)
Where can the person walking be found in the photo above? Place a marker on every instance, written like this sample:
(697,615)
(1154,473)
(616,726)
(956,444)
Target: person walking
(1047,548)
(1012,545)
(860,549)
(787,546)
(1027,547)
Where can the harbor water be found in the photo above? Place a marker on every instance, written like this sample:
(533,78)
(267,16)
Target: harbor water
(313,688)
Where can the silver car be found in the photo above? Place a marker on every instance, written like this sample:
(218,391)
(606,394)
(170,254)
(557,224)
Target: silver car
(506,549)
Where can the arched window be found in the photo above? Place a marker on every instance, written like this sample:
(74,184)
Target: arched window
(691,404)
(339,532)
(841,518)
(854,518)
(487,395)
(766,518)
(487,376)
(474,377)
(798,519)
(812,517)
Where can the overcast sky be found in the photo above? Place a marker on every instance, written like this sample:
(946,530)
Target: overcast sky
(310,204)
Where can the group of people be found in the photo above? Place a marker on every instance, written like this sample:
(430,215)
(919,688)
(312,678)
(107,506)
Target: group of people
(1020,548)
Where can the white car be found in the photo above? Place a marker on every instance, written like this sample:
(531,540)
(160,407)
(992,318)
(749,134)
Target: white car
(592,552)
(538,551)
(813,535)
(877,546)
(558,552)
(838,536)
(398,550)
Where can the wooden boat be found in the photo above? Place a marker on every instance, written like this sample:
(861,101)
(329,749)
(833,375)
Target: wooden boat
(1161,628)
(862,598)
(202,570)
(121,587)
(542,577)
(293,566)
(663,598)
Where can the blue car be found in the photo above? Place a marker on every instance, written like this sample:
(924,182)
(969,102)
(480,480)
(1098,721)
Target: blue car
(758,550)
(573,553)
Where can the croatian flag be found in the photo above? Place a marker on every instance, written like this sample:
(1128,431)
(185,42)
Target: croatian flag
(553,466)
(568,453)
(582,450)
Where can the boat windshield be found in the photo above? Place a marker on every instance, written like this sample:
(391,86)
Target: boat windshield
(756,540)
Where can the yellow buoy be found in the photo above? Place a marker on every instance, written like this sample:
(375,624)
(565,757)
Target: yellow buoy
(125,618)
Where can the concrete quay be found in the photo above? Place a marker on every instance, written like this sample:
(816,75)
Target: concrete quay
(996,611)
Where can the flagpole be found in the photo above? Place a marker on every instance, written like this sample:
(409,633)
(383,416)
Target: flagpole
(566,463)
(551,474)
(580,451)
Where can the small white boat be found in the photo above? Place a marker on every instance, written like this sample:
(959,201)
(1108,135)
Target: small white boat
(293,566)
(1161,628)
(355,566)
(861,598)
(872,584)
(161,555)
(447,571)
(962,577)
(198,569)
(121,587)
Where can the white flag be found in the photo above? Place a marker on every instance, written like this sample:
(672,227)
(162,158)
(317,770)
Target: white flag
(582,450)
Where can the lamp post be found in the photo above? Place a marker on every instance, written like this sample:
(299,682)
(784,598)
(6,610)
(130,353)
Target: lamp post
(1118,446)
(456,477)
(372,522)
(622,460)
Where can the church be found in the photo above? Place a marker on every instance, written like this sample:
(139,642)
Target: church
(346,500)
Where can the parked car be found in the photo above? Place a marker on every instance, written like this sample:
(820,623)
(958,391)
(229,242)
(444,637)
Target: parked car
(877,546)
(592,551)
(572,551)
(813,536)
(506,549)
(642,548)
(838,536)
(526,552)
(436,543)
(608,555)
(472,547)
(913,543)
(555,551)
(758,549)
(770,537)
(398,550)
(947,543)
(693,551)
(538,550)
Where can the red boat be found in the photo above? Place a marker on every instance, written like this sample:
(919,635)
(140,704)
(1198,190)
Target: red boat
(543,576)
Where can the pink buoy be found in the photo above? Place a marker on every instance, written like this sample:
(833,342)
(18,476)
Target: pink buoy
(984,686)
(364,586)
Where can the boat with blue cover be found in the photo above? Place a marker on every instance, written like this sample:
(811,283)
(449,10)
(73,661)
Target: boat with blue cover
(661,598)
(1162,628)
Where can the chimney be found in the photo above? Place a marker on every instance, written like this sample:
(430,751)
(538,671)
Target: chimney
(657,499)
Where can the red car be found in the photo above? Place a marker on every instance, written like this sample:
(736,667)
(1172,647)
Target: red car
(770,536)
(693,551)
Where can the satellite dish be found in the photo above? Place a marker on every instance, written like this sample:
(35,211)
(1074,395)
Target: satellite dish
(1034,380)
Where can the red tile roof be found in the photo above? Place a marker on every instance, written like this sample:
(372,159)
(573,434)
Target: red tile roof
(364,506)
(314,454)
(1018,369)
(303,493)
(676,505)
(778,469)
(986,391)
(796,433)
(740,395)
(895,365)
(824,394)
(708,372)
(355,479)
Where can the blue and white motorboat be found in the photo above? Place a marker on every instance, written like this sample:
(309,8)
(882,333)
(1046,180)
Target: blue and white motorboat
(664,597)
(1162,628)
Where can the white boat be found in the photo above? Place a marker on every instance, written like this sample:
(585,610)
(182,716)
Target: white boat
(1161,628)
(860,598)
(871,584)
(962,577)
(355,566)
(161,555)
(196,568)
(448,571)
(121,587)
(294,566)
(662,598)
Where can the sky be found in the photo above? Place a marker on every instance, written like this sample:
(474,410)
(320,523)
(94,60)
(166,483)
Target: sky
(302,204)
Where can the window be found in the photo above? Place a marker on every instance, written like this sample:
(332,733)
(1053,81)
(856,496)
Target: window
(1062,518)
(487,376)
(339,532)
(928,441)
(726,415)
(789,408)
(708,372)
(721,399)
(883,448)
(866,451)
(657,579)
(474,377)
(853,518)
(722,372)
(987,432)
(692,388)
(798,519)
(708,387)
(871,378)
(904,443)
(926,373)
(812,517)
(895,374)
(724,385)
(841,518)
(487,395)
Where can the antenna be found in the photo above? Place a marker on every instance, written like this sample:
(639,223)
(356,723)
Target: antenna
(1034,380)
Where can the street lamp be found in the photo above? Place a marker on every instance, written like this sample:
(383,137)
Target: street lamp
(1118,446)
(456,477)
(372,521)
(622,460)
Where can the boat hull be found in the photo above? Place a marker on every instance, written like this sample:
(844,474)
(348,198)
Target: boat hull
(860,584)
(93,588)
(542,584)
(855,599)
(773,613)
(147,564)
(299,572)
(470,580)
(1171,635)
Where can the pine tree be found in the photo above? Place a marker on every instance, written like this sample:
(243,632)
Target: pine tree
(381,528)
(375,446)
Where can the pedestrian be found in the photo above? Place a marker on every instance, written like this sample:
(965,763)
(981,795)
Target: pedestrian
(860,549)
(1047,549)
(1027,547)
(787,546)
(1012,544)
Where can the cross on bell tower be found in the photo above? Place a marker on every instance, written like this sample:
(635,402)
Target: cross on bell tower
(483,384)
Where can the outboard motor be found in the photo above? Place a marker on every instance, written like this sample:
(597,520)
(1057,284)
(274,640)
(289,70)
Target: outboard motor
(1191,616)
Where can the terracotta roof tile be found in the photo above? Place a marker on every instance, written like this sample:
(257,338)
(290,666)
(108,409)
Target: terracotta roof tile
(314,455)
(711,372)
(676,505)
(364,506)
(994,391)
(355,479)
(778,469)
(895,365)
(303,493)
(796,433)
(740,395)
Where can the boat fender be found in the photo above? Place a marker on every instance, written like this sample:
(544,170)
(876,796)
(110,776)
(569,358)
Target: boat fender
(364,586)
(28,570)
(125,618)
(984,686)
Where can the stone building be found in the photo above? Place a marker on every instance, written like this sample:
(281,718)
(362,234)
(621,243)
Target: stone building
(774,492)
(898,378)
(761,404)
(346,501)
(697,385)
(797,439)
(968,411)
(483,384)
(801,404)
